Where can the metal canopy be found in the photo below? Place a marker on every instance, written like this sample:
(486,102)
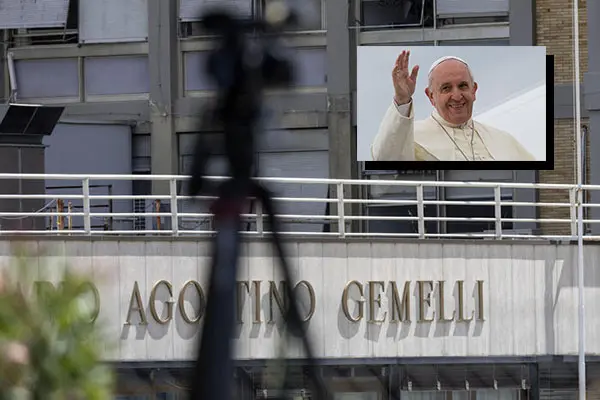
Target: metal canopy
(29,122)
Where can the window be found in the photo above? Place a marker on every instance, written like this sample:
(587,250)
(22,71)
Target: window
(480,19)
(431,192)
(460,12)
(141,188)
(401,226)
(311,13)
(392,14)
(476,211)
(44,33)
(471,8)
(433,211)
(190,12)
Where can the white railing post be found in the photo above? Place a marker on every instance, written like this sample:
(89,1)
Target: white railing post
(260,227)
(87,219)
(498,211)
(573,210)
(341,211)
(420,212)
(174,214)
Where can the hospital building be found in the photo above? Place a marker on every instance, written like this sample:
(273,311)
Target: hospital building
(469,300)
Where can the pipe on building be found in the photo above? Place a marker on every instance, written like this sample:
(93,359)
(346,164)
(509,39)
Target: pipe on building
(584,162)
(12,76)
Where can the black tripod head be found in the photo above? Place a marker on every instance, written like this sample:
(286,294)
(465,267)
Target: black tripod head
(248,58)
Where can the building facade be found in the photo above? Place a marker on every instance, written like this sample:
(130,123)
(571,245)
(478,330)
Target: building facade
(554,29)
(133,85)
(388,319)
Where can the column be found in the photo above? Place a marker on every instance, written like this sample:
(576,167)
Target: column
(341,53)
(522,33)
(163,55)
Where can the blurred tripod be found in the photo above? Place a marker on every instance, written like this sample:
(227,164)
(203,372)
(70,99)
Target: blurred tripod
(248,59)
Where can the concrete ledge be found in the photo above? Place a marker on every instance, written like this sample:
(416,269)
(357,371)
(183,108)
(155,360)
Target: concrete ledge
(498,30)
(287,238)
(75,50)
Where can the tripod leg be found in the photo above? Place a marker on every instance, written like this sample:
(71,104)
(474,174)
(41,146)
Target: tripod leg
(197,183)
(214,366)
(293,313)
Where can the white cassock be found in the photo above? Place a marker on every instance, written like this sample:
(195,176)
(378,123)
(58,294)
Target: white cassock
(401,138)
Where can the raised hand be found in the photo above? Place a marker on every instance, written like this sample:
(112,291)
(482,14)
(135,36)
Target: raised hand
(404,84)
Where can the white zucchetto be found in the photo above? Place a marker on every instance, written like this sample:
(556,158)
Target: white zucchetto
(445,58)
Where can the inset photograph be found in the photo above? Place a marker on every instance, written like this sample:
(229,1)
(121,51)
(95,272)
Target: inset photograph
(444,103)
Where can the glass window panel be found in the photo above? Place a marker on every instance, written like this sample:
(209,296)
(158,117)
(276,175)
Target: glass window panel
(190,10)
(477,42)
(47,78)
(396,14)
(423,395)
(501,394)
(476,211)
(457,8)
(120,21)
(117,75)
(196,77)
(386,226)
(310,14)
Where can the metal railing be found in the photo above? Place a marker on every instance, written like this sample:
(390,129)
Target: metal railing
(341,220)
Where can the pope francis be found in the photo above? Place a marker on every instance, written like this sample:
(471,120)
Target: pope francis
(449,133)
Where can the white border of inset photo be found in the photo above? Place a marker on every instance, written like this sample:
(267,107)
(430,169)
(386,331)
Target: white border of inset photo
(509,106)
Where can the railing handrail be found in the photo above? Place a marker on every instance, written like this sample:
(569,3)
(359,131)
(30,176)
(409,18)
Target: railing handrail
(331,181)
(341,217)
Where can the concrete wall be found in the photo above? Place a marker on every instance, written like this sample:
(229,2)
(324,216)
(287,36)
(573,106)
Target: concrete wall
(521,297)
(91,148)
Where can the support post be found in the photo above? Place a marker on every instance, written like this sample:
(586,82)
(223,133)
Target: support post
(163,62)
(342,158)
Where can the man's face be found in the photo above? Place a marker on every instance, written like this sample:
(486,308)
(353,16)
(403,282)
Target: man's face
(452,91)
